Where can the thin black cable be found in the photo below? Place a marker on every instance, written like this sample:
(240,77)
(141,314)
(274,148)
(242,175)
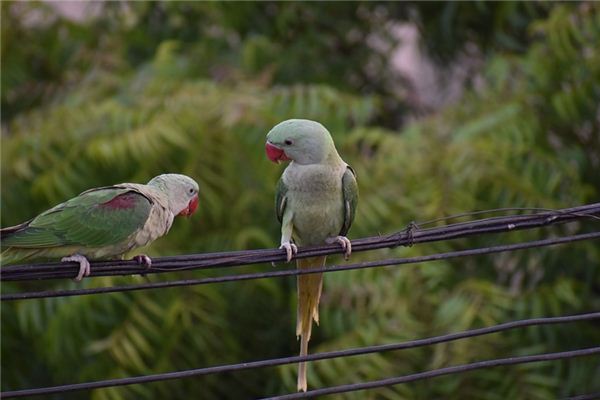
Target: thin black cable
(295,359)
(237,258)
(438,372)
(504,209)
(273,274)
(589,396)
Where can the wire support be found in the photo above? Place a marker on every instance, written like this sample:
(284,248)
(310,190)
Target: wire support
(292,272)
(409,236)
(313,357)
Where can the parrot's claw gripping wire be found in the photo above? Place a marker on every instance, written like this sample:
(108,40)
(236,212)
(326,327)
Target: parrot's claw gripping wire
(290,251)
(144,261)
(84,265)
(344,242)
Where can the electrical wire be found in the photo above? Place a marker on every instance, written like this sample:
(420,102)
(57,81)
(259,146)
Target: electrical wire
(589,396)
(505,209)
(407,237)
(438,372)
(279,274)
(333,354)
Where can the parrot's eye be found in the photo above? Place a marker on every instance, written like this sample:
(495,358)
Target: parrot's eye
(191,190)
(288,142)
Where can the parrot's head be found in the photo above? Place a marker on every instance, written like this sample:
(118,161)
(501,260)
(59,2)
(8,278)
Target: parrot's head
(301,140)
(181,190)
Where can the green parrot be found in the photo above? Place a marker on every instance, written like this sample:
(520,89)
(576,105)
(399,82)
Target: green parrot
(315,202)
(104,222)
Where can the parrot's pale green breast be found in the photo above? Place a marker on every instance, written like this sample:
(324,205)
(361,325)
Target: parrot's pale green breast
(315,199)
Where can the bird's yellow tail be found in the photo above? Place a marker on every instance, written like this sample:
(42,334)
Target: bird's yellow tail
(309,294)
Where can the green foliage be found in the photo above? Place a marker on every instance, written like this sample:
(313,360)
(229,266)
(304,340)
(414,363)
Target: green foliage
(53,44)
(221,41)
(528,137)
(492,26)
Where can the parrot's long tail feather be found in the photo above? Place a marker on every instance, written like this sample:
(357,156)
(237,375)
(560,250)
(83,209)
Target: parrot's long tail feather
(12,255)
(309,294)
(9,230)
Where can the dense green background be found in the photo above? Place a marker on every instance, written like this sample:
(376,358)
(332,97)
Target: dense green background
(146,88)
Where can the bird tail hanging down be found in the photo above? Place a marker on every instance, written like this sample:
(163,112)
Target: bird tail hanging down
(309,294)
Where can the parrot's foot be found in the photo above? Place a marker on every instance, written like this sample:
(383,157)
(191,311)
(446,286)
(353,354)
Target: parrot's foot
(344,242)
(84,265)
(143,260)
(290,250)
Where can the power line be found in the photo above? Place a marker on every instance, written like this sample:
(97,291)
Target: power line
(406,237)
(590,396)
(438,372)
(274,274)
(504,209)
(320,356)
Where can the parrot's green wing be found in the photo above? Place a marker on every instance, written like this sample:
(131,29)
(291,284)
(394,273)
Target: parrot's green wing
(350,192)
(280,199)
(96,218)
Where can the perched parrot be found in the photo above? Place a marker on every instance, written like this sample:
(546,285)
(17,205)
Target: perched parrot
(104,222)
(315,202)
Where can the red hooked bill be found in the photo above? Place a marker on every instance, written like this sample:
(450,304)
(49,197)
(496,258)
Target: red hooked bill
(275,154)
(191,208)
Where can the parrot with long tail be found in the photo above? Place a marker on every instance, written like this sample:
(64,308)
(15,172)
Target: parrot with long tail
(316,201)
(104,222)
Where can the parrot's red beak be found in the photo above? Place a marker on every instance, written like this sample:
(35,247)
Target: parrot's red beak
(191,208)
(275,154)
